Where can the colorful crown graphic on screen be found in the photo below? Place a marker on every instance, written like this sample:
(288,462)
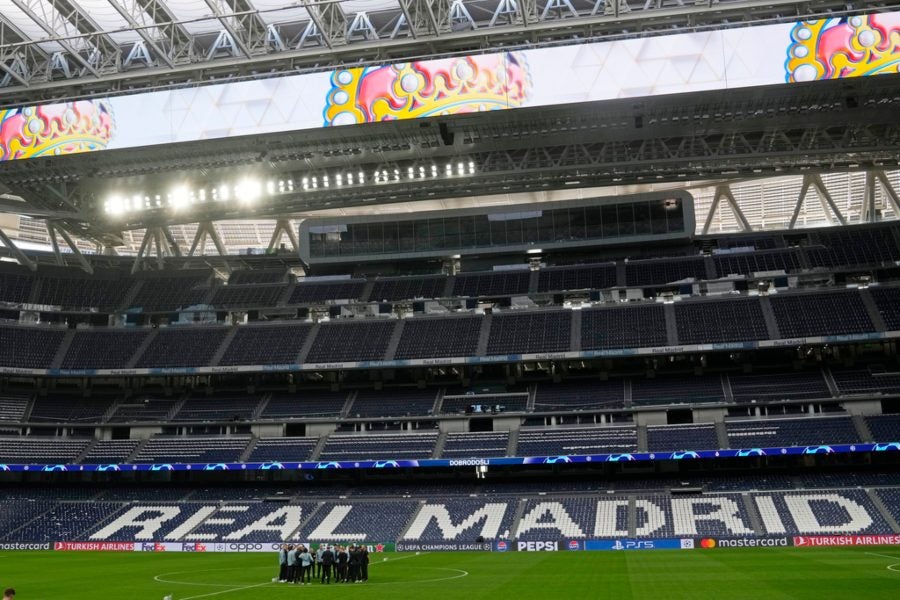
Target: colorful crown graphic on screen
(842,48)
(55,129)
(427,89)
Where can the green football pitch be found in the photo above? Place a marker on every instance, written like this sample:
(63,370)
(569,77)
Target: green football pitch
(840,573)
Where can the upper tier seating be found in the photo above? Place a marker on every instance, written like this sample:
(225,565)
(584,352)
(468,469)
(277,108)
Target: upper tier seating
(15,287)
(143,409)
(820,314)
(266,345)
(171,293)
(103,349)
(112,452)
(428,528)
(693,436)
(407,288)
(595,440)
(232,296)
(576,394)
(256,276)
(13,406)
(84,292)
(757,262)
(69,409)
(305,403)
(66,521)
(313,292)
(820,512)
(439,337)
(183,347)
(677,390)
(582,277)
(475,445)
(887,300)
(778,386)
(351,341)
(627,327)
(29,347)
(220,407)
(192,450)
(379,520)
(539,523)
(658,272)
(283,449)
(811,431)
(885,428)
(455,404)
(497,283)
(393,402)
(866,381)
(850,247)
(720,321)
(35,450)
(380,446)
(531,332)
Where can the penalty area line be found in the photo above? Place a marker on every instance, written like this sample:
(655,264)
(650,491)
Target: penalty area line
(219,593)
(883,555)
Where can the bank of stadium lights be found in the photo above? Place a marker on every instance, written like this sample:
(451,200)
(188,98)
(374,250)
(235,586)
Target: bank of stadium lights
(250,191)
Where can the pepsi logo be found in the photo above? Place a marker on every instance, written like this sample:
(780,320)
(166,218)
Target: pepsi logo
(573,544)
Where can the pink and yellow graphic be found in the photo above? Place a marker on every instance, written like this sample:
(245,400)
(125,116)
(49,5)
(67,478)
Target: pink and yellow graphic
(428,88)
(842,48)
(55,129)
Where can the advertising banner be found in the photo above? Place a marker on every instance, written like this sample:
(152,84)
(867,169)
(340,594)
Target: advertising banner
(24,546)
(94,546)
(665,544)
(443,546)
(846,540)
(743,542)
(537,546)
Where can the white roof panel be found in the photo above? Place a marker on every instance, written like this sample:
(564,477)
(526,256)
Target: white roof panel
(279,11)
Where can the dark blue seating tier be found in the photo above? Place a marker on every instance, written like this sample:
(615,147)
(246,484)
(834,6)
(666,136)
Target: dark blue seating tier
(407,288)
(499,283)
(172,293)
(698,436)
(266,345)
(659,272)
(719,321)
(582,277)
(29,347)
(629,327)
(351,341)
(393,402)
(183,347)
(326,291)
(217,408)
(677,390)
(69,409)
(887,300)
(103,348)
(595,440)
(588,394)
(530,332)
(305,403)
(885,428)
(781,386)
(810,431)
(439,337)
(757,262)
(251,296)
(820,314)
(161,450)
(866,381)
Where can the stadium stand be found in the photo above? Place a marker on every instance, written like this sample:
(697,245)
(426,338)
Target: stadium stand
(68,409)
(381,446)
(143,409)
(15,288)
(586,277)
(820,314)
(759,387)
(393,402)
(887,301)
(811,431)
(103,349)
(183,347)
(192,449)
(13,407)
(29,347)
(850,511)
(579,395)
(720,321)
(34,450)
(166,293)
(595,440)
(508,283)
(237,296)
(110,452)
(530,332)
(474,445)
(866,381)
(353,341)
(266,345)
(278,449)
(256,276)
(685,389)
(220,407)
(407,288)
(681,437)
(757,262)
(308,403)
(308,292)
(658,272)
(631,327)
(884,428)
(436,337)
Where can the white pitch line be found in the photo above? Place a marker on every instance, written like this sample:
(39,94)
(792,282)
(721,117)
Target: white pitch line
(883,555)
(237,589)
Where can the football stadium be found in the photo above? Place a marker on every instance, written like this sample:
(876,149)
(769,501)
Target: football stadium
(449,298)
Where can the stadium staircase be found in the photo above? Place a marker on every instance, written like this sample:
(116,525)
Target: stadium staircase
(348,404)
(131,294)
(251,445)
(177,408)
(885,513)
(626,393)
(391,349)
(34,519)
(260,406)
(862,429)
(632,517)
(63,349)
(642,443)
(142,348)
(436,409)
(223,347)
(517,518)
(308,344)
(110,412)
(138,449)
(727,393)
(671,326)
(484,335)
(872,310)
(513,442)
(829,380)
(87,449)
(320,445)
(769,317)
(288,290)
(575,332)
(439,445)
(755,520)
(29,406)
(532,394)
(722,434)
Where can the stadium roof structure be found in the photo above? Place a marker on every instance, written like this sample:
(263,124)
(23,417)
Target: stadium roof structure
(715,139)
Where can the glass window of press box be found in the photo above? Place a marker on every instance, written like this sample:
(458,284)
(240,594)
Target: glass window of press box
(526,228)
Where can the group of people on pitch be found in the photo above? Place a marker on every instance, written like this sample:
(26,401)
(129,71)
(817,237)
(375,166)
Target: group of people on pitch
(344,564)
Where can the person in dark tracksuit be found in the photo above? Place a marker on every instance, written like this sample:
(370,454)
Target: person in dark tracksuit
(353,563)
(364,563)
(327,565)
(318,557)
(342,558)
(282,563)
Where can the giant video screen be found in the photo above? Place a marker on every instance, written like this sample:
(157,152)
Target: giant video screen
(687,62)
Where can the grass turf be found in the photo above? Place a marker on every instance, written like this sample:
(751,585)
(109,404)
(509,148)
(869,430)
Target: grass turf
(750,573)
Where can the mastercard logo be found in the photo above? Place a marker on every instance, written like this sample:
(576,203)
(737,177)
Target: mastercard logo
(707,543)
